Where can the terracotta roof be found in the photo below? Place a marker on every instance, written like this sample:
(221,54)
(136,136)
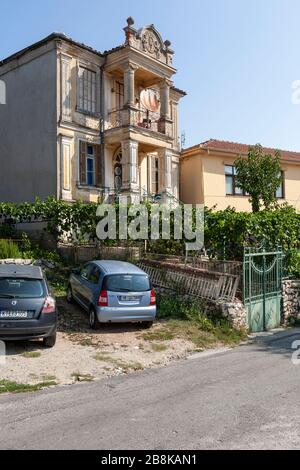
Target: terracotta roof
(240,149)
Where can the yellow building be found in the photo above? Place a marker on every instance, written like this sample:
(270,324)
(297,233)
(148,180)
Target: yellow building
(208,175)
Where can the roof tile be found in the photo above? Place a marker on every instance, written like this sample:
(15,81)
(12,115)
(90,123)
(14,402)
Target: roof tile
(242,149)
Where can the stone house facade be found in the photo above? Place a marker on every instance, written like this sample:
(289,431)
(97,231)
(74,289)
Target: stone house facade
(81,124)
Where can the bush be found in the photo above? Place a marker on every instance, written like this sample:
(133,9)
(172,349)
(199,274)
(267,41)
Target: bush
(189,316)
(226,232)
(8,249)
(174,306)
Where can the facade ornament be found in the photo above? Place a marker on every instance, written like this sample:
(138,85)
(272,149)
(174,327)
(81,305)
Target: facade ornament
(130,32)
(151,44)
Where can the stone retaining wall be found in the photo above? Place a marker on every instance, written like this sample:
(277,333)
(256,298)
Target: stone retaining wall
(234,312)
(290,299)
(83,253)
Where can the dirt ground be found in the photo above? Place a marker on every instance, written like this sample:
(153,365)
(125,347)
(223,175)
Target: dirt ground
(82,354)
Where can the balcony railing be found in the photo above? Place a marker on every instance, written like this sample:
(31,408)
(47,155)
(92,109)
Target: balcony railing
(140,118)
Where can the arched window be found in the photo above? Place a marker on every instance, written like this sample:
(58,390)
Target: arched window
(118,170)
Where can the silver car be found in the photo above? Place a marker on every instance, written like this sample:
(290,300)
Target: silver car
(113,291)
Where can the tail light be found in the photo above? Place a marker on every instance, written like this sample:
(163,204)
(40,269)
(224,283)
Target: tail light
(103,300)
(152,297)
(49,305)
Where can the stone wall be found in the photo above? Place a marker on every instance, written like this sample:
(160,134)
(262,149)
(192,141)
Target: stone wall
(290,299)
(83,253)
(234,312)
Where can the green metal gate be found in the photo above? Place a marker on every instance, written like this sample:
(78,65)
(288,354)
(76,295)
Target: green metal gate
(262,278)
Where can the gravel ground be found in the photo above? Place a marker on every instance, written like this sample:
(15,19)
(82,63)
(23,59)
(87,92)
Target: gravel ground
(81,354)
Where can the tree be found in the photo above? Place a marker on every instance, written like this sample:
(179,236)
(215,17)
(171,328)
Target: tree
(259,175)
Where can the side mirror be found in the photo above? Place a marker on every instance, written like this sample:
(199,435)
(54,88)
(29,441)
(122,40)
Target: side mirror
(76,271)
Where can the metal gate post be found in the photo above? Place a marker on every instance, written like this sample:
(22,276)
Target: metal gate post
(264,292)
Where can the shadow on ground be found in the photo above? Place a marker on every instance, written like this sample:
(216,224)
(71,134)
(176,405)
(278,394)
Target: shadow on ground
(281,342)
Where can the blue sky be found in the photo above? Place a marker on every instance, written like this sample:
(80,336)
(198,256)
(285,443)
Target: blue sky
(237,59)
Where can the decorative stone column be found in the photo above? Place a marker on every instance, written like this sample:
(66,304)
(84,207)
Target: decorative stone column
(165,122)
(130,109)
(130,187)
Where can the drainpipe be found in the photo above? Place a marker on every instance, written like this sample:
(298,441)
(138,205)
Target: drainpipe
(102,120)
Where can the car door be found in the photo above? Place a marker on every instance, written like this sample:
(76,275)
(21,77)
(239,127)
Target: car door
(93,287)
(83,284)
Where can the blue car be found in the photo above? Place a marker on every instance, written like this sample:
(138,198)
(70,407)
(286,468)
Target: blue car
(113,291)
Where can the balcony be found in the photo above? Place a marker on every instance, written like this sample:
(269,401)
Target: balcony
(138,118)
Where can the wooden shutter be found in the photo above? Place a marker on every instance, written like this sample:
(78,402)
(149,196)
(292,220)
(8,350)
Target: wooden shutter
(98,173)
(82,162)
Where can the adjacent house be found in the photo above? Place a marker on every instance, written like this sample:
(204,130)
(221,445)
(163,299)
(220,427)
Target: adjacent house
(208,175)
(79,123)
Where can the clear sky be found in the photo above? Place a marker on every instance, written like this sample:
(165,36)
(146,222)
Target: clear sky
(237,59)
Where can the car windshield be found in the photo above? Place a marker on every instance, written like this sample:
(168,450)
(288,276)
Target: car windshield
(12,288)
(127,283)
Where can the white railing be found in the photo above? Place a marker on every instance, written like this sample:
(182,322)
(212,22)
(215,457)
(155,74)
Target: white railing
(217,287)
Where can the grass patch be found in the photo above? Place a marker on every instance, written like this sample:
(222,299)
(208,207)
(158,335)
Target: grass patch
(118,363)
(86,342)
(6,386)
(162,334)
(158,347)
(188,321)
(78,377)
(31,354)
(48,378)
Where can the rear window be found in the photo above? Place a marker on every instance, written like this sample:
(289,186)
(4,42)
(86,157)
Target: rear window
(127,283)
(22,288)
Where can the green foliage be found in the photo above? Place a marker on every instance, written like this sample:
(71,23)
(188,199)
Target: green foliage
(292,263)
(6,386)
(228,231)
(8,249)
(259,176)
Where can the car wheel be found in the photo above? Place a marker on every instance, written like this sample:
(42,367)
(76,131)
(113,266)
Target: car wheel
(94,322)
(147,324)
(50,341)
(70,297)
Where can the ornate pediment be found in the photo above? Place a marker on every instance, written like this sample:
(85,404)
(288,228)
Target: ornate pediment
(149,41)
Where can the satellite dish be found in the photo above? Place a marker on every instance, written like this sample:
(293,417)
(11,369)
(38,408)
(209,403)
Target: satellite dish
(149,100)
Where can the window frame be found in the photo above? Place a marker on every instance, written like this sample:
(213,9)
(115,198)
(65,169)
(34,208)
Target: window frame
(282,186)
(87,101)
(120,93)
(90,157)
(232,175)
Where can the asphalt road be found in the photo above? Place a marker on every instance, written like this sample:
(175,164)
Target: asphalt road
(245,398)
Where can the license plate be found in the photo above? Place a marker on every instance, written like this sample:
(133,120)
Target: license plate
(129,298)
(15,314)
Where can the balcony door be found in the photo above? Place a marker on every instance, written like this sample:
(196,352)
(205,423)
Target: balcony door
(118,171)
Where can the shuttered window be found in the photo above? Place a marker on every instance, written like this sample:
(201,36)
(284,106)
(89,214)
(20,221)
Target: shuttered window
(90,164)
(87,91)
